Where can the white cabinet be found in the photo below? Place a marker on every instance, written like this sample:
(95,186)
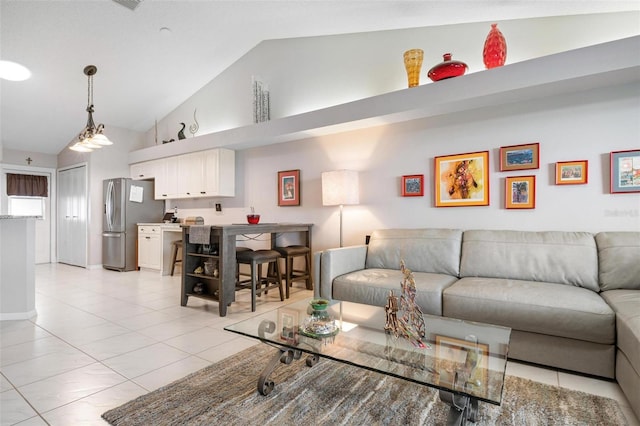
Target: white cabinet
(149,247)
(144,170)
(166,184)
(200,174)
(219,173)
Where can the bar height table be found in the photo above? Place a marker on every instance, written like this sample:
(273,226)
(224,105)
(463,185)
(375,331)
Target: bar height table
(222,287)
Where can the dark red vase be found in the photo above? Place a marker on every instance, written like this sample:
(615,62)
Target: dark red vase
(494,53)
(447,69)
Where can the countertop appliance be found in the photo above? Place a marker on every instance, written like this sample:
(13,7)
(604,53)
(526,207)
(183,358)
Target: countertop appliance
(126,203)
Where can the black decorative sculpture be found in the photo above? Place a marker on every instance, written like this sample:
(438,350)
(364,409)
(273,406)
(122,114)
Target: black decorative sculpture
(181,132)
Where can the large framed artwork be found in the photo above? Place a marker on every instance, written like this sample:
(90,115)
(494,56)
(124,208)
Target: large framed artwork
(520,192)
(625,171)
(413,185)
(520,157)
(462,180)
(289,188)
(572,172)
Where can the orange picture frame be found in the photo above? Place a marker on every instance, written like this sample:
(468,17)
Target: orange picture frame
(520,192)
(572,172)
(462,180)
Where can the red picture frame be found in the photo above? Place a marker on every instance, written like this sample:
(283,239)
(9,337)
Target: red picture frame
(289,188)
(412,185)
(625,171)
(520,157)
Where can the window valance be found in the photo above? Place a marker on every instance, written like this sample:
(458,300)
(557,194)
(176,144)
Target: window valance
(27,185)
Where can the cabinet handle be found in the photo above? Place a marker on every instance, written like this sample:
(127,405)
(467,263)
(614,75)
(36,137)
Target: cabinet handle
(164,195)
(148,238)
(203,192)
(140,175)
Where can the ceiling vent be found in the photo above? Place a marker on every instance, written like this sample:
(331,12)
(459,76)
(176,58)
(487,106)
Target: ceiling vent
(129,4)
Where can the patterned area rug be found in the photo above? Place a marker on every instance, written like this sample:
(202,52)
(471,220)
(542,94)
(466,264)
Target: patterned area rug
(331,393)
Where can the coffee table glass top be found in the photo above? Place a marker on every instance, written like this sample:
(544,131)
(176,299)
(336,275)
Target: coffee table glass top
(462,357)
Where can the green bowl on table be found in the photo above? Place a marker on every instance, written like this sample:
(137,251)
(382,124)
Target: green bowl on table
(319,304)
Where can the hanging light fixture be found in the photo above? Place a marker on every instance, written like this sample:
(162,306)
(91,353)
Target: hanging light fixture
(92,136)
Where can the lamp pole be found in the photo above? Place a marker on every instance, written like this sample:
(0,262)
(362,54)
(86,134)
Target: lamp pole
(341,206)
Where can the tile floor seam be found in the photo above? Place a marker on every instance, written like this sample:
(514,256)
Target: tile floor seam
(38,414)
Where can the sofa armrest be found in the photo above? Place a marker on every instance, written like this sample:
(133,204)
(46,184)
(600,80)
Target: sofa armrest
(332,263)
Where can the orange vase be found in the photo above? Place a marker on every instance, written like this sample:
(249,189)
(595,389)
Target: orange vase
(494,53)
(413,63)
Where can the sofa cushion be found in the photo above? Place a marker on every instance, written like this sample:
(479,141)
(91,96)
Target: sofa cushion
(423,250)
(619,260)
(537,307)
(553,257)
(626,304)
(371,287)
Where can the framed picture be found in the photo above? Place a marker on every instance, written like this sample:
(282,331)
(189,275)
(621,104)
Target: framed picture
(625,171)
(571,172)
(413,185)
(453,355)
(462,179)
(520,157)
(288,324)
(520,192)
(289,188)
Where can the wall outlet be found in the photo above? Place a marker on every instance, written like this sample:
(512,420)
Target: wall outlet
(218,207)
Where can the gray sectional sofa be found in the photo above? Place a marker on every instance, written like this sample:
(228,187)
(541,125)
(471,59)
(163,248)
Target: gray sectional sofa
(572,299)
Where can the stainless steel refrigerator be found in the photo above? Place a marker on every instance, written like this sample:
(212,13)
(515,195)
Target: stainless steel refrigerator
(126,203)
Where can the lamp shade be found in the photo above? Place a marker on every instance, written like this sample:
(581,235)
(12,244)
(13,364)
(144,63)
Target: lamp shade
(340,187)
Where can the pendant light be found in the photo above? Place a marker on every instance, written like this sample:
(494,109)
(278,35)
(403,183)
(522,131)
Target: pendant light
(92,136)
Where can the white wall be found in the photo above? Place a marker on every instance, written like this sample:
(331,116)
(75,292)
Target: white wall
(105,163)
(586,126)
(309,73)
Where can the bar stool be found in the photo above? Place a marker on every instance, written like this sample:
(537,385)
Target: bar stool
(175,245)
(256,258)
(289,253)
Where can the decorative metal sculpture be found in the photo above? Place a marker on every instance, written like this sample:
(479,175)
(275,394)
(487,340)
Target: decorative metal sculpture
(410,324)
(193,129)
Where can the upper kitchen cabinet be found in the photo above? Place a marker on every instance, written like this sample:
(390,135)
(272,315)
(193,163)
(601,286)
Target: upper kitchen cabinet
(201,174)
(144,170)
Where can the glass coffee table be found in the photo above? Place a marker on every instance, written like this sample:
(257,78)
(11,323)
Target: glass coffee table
(464,360)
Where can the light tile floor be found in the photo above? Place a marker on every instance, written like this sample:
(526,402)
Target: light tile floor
(102,338)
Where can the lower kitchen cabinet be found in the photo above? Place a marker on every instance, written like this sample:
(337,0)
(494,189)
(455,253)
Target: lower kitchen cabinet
(149,247)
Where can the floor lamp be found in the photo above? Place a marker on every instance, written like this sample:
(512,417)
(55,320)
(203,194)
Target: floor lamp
(340,188)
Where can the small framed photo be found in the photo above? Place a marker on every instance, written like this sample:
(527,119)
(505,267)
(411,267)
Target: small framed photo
(413,185)
(462,180)
(571,172)
(520,157)
(520,192)
(289,188)
(625,171)
(288,324)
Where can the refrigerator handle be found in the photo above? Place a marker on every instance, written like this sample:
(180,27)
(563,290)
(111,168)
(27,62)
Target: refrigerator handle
(109,206)
(112,235)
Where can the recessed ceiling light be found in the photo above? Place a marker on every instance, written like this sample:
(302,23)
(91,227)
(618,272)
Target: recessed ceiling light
(13,71)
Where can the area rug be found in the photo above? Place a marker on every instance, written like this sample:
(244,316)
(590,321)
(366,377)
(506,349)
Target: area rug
(331,393)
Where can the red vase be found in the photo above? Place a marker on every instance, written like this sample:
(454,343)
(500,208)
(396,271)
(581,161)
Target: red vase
(494,53)
(447,69)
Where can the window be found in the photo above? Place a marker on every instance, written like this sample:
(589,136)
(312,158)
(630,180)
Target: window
(26,206)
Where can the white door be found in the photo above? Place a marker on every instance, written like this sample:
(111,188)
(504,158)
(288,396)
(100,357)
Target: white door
(72,216)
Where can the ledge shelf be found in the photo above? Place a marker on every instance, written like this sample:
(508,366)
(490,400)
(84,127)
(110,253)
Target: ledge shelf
(598,66)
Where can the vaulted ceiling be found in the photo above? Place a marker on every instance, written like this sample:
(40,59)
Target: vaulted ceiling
(152,58)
